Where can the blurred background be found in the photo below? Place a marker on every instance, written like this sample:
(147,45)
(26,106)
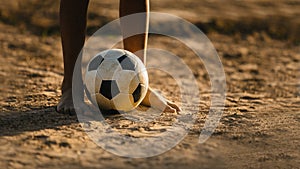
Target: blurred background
(278,20)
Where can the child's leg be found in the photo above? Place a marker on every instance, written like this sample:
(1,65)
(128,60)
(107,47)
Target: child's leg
(139,43)
(73,25)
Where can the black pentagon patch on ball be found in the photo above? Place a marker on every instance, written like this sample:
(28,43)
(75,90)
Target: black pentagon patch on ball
(126,63)
(137,93)
(94,64)
(109,89)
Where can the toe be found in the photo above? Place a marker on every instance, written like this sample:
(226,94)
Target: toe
(169,109)
(65,109)
(72,111)
(174,106)
(57,109)
(60,109)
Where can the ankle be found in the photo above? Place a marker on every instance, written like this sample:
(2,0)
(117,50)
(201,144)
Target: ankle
(65,87)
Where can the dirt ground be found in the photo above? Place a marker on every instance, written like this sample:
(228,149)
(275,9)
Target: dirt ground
(257,41)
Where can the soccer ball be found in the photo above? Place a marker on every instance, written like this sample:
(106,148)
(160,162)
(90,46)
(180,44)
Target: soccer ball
(116,79)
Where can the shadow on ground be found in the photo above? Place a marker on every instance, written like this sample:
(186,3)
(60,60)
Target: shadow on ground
(14,123)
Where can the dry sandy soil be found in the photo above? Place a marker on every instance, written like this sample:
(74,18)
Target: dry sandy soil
(257,41)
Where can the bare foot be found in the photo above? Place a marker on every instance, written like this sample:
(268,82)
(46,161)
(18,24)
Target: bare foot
(65,105)
(157,101)
(152,98)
